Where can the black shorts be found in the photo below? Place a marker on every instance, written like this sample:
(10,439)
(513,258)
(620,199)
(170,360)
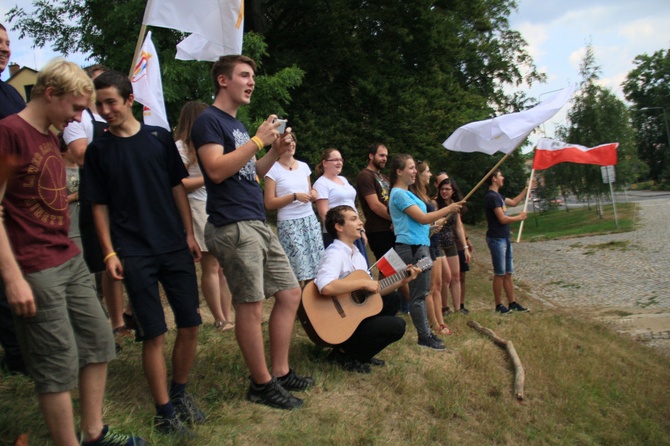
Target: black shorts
(176,272)
(461,258)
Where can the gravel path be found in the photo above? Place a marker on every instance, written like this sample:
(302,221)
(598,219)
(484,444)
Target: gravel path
(632,272)
(620,278)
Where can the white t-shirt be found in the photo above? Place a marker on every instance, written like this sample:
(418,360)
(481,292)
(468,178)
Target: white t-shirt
(79,130)
(288,182)
(336,194)
(338,261)
(193,171)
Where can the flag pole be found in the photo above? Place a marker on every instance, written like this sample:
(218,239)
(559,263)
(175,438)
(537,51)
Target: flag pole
(493,169)
(525,205)
(140,38)
(138,48)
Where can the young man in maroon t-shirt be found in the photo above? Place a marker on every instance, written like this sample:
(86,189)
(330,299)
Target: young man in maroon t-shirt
(62,329)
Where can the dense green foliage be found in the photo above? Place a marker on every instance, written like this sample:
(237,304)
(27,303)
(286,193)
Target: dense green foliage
(596,117)
(647,87)
(404,73)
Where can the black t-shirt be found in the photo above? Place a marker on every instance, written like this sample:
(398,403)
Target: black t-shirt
(11,101)
(134,177)
(493,200)
(238,198)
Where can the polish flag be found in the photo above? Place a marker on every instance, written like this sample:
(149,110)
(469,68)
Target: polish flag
(550,152)
(390,263)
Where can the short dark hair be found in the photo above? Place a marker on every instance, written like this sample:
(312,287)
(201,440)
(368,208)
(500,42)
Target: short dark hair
(2,27)
(489,179)
(372,150)
(225,66)
(335,216)
(113,78)
(90,70)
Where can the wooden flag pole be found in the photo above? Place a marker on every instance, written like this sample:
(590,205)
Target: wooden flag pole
(138,48)
(493,169)
(525,205)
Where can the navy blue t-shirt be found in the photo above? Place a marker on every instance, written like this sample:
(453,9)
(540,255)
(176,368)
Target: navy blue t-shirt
(492,200)
(134,177)
(238,198)
(11,101)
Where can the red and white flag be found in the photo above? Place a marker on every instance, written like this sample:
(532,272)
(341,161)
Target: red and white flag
(390,263)
(550,152)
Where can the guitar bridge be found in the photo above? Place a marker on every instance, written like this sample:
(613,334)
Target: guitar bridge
(338,307)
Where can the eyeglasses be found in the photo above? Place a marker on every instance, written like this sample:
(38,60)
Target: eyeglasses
(334,160)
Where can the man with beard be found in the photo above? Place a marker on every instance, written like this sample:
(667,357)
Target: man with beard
(373,189)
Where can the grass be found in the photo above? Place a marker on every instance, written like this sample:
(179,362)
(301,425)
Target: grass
(577,222)
(585,385)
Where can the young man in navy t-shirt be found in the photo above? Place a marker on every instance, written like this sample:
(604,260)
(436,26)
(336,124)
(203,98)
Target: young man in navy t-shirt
(236,233)
(143,221)
(498,241)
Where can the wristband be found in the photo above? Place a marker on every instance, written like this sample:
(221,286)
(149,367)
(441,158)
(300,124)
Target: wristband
(258,142)
(108,256)
(295,197)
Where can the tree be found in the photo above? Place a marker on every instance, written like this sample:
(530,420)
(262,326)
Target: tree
(405,73)
(597,117)
(647,87)
(108,31)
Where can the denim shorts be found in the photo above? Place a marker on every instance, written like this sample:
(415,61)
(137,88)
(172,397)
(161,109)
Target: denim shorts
(501,255)
(252,259)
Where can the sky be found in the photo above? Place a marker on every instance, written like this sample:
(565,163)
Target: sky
(557,33)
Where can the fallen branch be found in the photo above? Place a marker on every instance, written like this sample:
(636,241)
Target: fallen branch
(519,373)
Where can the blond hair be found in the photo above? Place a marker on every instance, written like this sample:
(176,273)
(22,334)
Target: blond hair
(64,77)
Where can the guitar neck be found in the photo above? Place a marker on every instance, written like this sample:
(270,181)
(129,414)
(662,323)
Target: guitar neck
(390,280)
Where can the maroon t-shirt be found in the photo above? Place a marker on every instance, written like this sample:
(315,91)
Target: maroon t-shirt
(35,202)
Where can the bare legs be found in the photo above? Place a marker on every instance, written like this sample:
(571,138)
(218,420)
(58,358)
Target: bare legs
(250,336)
(215,288)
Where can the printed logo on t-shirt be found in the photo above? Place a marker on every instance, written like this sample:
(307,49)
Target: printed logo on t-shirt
(248,172)
(46,177)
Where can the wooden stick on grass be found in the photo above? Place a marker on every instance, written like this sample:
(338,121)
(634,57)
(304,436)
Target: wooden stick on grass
(519,373)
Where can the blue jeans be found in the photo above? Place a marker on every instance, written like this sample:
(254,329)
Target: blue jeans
(418,288)
(501,255)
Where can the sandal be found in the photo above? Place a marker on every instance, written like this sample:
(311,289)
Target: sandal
(224,325)
(444,330)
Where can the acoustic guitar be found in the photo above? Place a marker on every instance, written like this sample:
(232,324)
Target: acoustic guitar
(331,320)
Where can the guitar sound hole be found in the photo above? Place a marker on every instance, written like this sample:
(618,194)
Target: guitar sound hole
(359,297)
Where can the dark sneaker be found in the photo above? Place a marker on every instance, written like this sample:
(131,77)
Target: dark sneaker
(170,426)
(377,362)
(515,306)
(464,310)
(500,308)
(446,311)
(109,438)
(431,343)
(348,363)
(274,395)
(187,411)
(295,383)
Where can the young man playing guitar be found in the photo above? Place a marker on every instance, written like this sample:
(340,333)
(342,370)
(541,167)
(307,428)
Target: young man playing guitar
(340,260)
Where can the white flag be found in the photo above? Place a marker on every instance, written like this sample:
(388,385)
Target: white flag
(504,133)
(217,26)
(147,85)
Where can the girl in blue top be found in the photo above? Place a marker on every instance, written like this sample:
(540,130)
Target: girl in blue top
(411,225)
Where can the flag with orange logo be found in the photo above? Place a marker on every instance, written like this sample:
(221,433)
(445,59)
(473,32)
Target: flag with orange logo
(147,85)
(217,26)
